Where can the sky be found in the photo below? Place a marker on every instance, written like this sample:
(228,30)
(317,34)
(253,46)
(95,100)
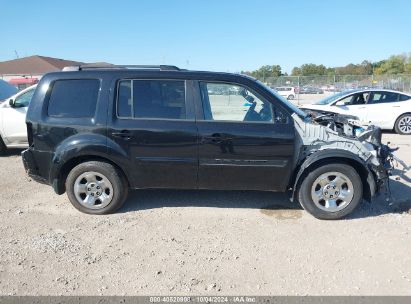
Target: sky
(218,35)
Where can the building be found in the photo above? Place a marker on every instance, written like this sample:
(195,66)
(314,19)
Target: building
(23,72)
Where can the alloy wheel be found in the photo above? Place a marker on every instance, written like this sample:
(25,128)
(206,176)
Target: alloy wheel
(93,190)
(332,191)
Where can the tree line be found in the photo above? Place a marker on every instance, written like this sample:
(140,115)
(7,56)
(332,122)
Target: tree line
(396,64)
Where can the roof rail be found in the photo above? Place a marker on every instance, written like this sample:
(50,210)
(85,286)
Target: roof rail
(113,66)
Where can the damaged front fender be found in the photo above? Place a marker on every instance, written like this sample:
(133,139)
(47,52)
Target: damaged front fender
(317,143)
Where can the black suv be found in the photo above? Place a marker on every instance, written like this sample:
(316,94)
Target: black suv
(95,132)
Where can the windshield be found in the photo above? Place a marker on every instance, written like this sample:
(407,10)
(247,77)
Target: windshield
(331,98)
(290,105)
(6,90)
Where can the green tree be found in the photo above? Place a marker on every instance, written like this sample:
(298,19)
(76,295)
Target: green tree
(309,69)
(296,71)
(407,65)
(366,68)
(266,71)
(393,65)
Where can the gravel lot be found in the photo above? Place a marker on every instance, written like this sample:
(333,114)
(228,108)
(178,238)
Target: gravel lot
(200,242)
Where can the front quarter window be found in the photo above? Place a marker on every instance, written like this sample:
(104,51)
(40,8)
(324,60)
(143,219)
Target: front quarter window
(232,102)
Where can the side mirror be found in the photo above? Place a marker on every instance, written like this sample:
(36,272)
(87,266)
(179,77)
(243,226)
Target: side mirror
(249,98)
(11,103)
(340,103)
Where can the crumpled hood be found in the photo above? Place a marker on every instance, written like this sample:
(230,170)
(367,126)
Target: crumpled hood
(315,136)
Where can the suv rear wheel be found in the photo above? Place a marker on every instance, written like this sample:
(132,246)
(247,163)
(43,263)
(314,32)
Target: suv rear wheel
(331,191)
(96,187)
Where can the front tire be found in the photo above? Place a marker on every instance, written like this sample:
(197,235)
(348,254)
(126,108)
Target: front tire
(403,124)
(96,187)
(290,97)
(331,191)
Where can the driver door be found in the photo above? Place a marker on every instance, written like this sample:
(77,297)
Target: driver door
(354,104)
(246,143)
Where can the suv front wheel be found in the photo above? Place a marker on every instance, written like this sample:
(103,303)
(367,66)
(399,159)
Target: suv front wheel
(96,187)
(331,191)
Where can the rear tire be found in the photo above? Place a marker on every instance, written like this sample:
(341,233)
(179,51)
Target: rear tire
(331,191)
(96,187)
(3,147)
(403,124)
(290,97)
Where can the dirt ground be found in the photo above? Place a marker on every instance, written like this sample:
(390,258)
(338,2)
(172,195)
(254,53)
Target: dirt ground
(200,243)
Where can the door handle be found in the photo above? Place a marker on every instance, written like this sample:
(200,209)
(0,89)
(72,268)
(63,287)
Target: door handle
(396,106)
(123,134)
(215,138)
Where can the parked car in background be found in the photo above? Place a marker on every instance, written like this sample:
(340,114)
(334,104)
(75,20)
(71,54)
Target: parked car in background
(94,133)
(23,82)
(13,130)
(288,92)
(6,90)
(311,90)
(387,109)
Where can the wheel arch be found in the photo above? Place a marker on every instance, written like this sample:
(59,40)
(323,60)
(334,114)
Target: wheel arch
(58,182)
(321,158)
(399,116)
(85,147)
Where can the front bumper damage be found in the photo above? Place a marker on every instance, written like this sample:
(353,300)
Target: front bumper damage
(338,133)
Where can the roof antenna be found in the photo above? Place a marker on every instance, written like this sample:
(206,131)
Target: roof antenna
(17,54)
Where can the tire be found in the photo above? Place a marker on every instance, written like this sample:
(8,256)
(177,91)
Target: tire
(3,147)
(96,187)
(403,124)
(290,97)
(317,199)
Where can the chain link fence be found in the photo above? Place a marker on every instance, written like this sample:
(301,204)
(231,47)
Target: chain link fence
(337,83)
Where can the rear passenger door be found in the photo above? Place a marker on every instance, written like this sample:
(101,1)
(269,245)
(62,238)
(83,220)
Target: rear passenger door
(383,108)
(154,124)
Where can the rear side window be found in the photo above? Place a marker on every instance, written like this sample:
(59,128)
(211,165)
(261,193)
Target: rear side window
(384,97)
(74,98)
(151,99)
(404,97)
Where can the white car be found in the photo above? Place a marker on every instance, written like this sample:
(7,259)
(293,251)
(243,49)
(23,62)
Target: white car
(287,92)
(13,111)
(387,109)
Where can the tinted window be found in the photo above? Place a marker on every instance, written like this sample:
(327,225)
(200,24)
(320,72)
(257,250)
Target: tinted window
(151,99)
(284,89)
(404,97)
(355,99)
(24,99)
(233,103)
(74,98)
(382,97)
